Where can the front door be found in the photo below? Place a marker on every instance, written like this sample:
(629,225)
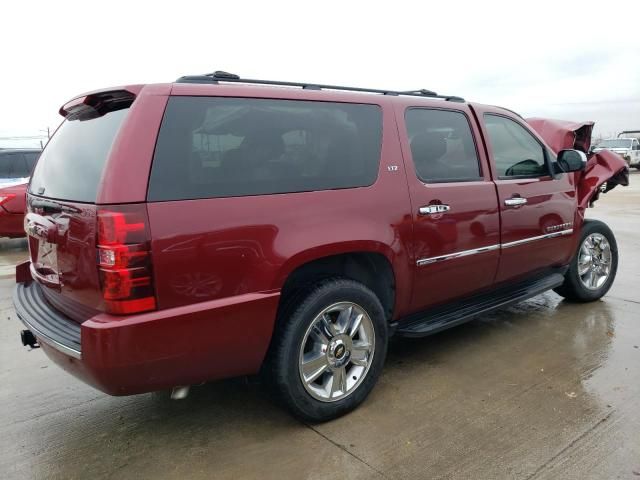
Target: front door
(455,211)
(537,208)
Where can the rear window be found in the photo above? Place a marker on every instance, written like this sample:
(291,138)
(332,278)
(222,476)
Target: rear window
(211,147)
(70,167)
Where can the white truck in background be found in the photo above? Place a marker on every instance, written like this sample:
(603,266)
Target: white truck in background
(627,145)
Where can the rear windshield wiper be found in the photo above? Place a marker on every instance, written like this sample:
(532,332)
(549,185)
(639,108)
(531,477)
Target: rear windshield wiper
(50,206)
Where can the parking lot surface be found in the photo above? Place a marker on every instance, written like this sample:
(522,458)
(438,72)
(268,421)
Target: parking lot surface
(542,390)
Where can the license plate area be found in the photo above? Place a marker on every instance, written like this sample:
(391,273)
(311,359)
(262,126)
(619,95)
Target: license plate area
(44,262)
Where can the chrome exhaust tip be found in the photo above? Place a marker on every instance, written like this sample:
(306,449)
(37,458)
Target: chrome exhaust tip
(179,393)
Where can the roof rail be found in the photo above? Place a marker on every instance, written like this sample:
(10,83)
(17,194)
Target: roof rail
(225,77)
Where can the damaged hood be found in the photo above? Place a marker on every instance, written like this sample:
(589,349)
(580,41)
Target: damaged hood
(602,166)
(560,134)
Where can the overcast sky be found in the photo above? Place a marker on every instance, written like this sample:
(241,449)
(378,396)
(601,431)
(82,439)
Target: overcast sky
(569,60)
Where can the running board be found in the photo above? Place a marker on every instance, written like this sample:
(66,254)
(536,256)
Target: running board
(452,314)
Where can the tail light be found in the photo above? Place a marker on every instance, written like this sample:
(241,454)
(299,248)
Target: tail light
(124,259)
(6,197)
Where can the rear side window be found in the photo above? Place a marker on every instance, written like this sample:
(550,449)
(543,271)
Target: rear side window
(442,145)
(71,165)
(211,147)
(516,152)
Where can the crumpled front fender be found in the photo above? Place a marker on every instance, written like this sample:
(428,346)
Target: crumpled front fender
(604,166)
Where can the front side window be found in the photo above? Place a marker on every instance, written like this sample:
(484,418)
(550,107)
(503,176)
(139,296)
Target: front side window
(210,147)
(516,153)
(442,145)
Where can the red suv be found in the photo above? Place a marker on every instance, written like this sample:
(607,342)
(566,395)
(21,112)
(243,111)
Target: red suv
(217,226)
(16,165)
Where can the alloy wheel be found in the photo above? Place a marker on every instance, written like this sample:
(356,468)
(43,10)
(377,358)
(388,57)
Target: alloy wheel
(337,352)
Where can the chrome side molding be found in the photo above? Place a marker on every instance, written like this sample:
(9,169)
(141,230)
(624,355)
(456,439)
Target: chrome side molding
(451,256)
(489,248)
(561,233)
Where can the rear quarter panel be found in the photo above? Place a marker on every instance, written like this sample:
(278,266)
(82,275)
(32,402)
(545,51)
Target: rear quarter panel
(126,173)
(215,248)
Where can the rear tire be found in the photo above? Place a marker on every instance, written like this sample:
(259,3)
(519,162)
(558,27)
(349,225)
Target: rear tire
(329,349)
(594,265)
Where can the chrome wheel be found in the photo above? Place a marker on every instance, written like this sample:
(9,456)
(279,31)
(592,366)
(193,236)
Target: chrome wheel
(337,351)
(594,261)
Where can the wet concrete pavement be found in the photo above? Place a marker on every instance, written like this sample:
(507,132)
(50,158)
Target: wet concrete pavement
(542,390)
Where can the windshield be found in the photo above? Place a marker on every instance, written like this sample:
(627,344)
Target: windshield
(71,165)
(615,143)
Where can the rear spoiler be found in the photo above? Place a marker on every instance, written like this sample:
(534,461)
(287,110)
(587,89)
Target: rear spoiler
(96,104)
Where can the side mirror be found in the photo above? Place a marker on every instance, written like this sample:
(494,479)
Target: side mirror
(570,161)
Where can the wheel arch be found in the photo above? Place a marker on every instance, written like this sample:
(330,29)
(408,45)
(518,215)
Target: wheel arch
(370,263)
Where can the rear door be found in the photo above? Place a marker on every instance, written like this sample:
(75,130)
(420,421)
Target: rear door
(537,208)
(454,204)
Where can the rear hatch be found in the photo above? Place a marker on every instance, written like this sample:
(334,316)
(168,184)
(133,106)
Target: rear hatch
(66,229)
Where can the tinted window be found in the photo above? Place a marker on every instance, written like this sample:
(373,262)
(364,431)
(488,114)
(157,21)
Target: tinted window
(6,168)
(442,145)
(31,157)
(223,147)
(71,164)
(14,165)
(516,152)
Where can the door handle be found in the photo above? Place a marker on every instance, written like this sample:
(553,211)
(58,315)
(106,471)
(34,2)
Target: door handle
(515,201)
(431,209)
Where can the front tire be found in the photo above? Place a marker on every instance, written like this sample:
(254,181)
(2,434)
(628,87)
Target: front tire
(594,265)
(329,349)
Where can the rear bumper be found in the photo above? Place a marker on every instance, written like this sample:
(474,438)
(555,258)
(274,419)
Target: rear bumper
(46,324)
(123,355)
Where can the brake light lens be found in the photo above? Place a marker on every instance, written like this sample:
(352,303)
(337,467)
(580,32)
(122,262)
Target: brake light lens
(124,259)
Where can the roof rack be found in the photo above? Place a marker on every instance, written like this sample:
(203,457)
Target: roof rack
(220,76)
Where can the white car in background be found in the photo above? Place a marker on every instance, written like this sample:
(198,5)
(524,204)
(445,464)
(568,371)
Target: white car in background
(627,148)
